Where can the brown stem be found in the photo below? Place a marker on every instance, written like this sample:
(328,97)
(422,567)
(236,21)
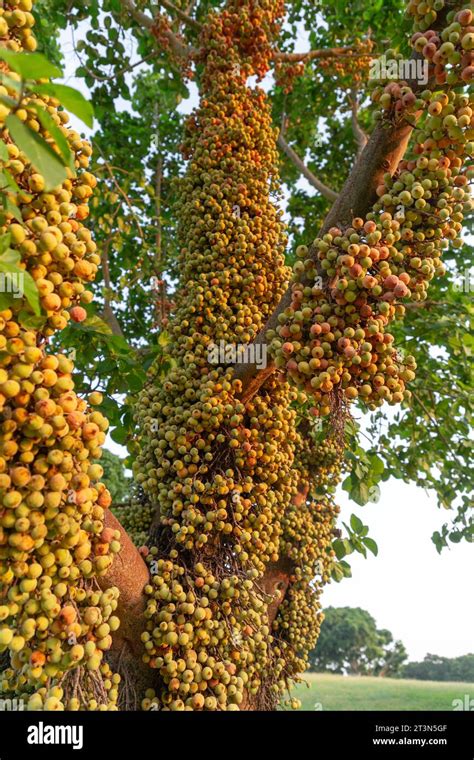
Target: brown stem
(253,385)
(120,190)
(303,169)
(108,313)
(312,54)
(359,134)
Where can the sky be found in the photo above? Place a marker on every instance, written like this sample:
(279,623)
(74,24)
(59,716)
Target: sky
(423,598)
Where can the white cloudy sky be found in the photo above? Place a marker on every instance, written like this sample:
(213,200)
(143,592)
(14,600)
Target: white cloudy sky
(423,598)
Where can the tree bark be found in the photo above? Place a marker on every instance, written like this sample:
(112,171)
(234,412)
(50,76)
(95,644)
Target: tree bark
(130,574)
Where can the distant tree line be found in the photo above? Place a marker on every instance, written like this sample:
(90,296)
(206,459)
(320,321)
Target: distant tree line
(350,643)
(437,668)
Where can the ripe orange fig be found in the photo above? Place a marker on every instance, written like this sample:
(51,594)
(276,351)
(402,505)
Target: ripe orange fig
(78,314)
(67,616)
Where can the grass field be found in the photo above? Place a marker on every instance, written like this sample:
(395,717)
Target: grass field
(365,693)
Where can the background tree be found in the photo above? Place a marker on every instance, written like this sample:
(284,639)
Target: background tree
(349,642)
(117,481)
(393,659)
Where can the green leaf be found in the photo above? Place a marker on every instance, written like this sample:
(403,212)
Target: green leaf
(163,338)
(346,568)
(11,280)
(356,524)
(8,81)
(32,294)
(30,65)
(348,546)
(119,435)
(136,380)
(26,286)
(43,158)
(31,321)
(371,545)
(95,324)
(360,493)
(73,100)
(13,210)
(3,151)
(6,300)
(337,573)
(438,541)
(339,548)
(9,256)
(6,180)
(8,102)
(4,242)
(359,547)
(347,484)
(376,464)
(49,124)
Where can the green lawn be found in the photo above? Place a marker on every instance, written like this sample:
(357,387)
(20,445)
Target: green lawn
(366,693)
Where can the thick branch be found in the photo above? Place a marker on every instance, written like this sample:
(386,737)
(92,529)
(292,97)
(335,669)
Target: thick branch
(108,315)
(141,18)
(129,573)
(301,166)
(310,55)
(158,264)
(254,383)
(382,154)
